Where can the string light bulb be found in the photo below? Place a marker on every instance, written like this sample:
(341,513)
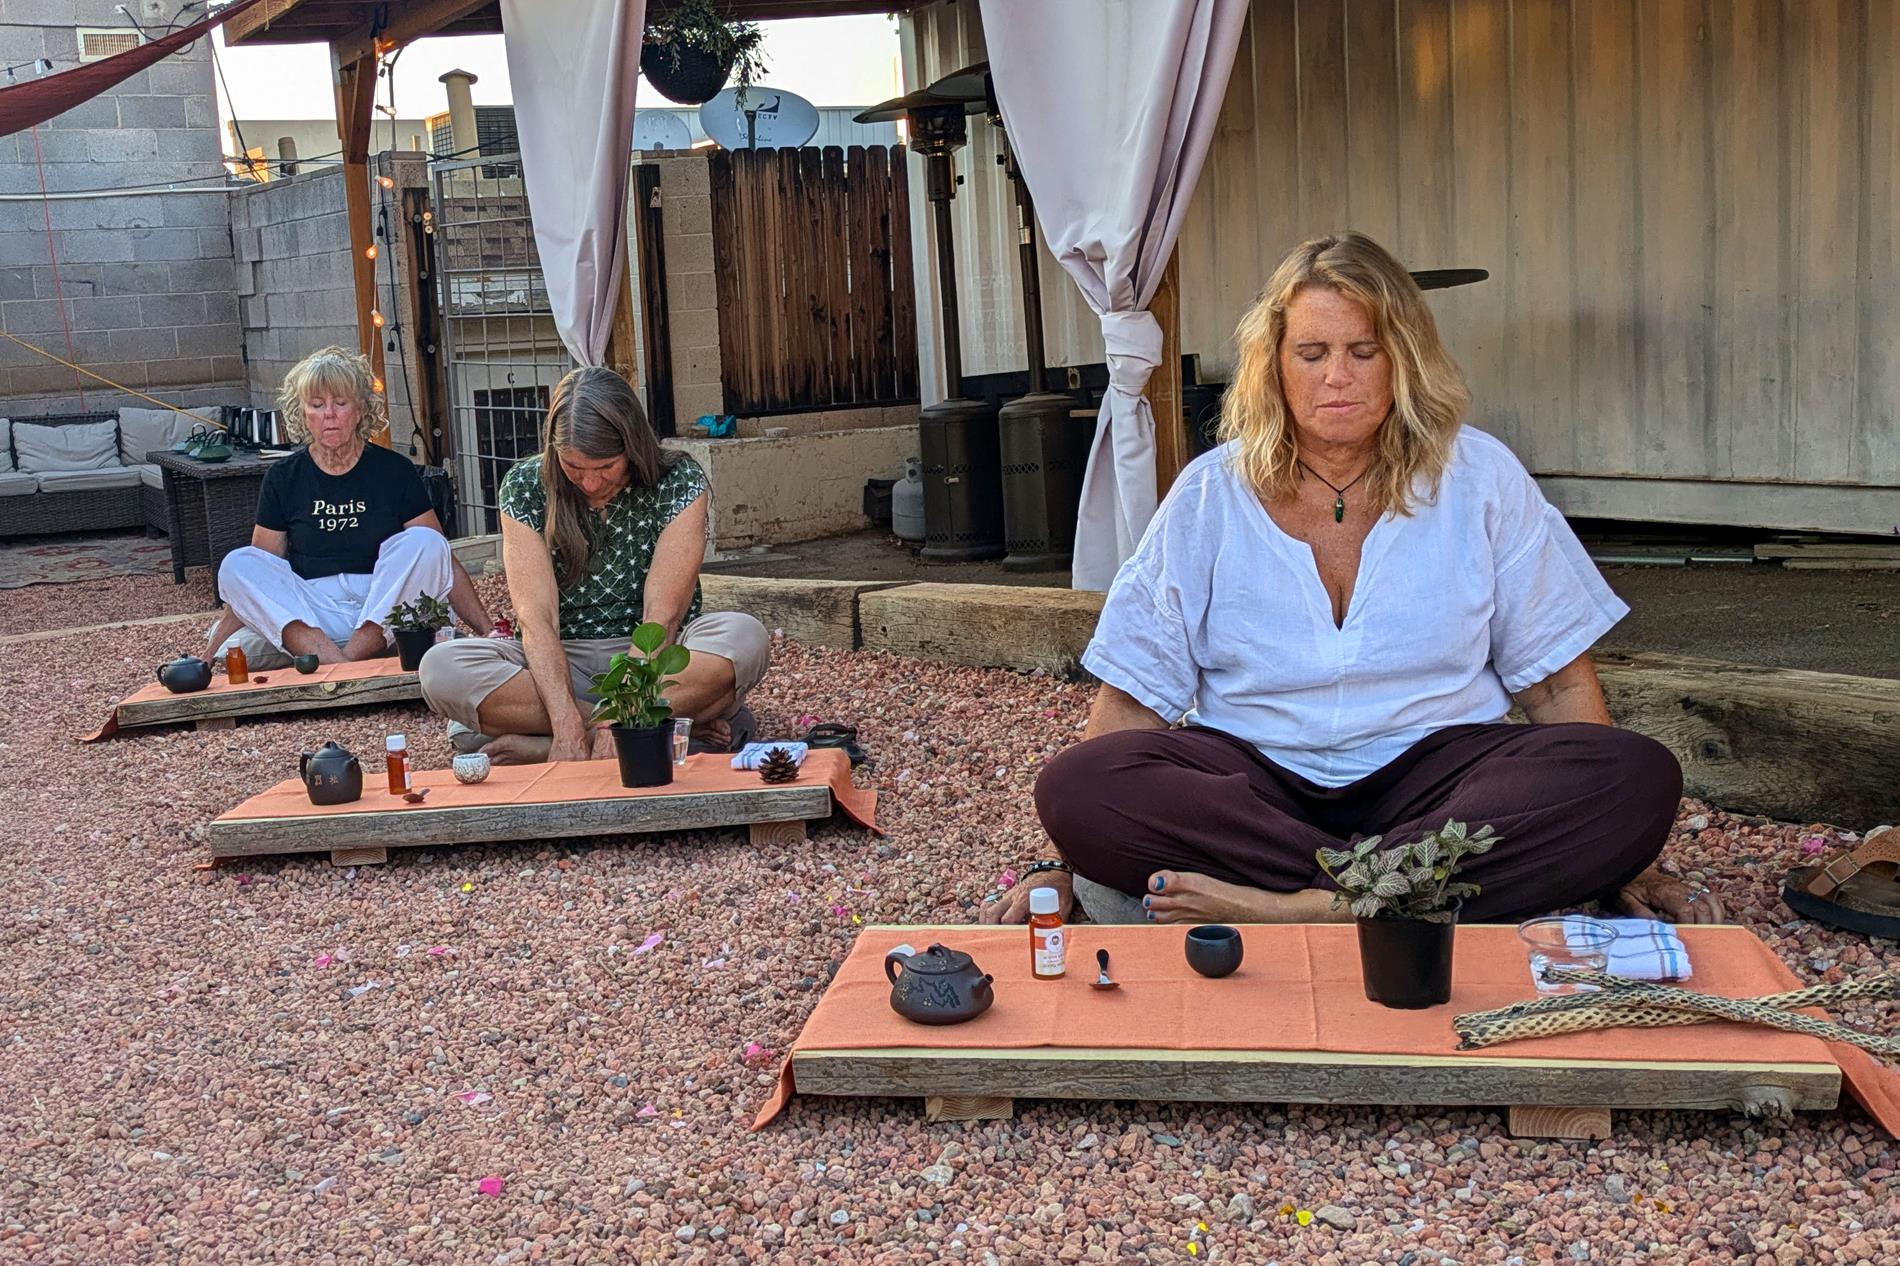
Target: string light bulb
(370,251)
(376,318)
(387,182)
(376,383)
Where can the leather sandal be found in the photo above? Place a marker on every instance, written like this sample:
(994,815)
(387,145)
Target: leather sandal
(838,735)
(1858,891)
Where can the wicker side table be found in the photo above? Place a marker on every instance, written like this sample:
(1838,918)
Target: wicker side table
(212,507)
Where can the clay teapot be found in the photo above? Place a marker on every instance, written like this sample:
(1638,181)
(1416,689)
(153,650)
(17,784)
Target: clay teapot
(331,775)
(938,986)
(184,675)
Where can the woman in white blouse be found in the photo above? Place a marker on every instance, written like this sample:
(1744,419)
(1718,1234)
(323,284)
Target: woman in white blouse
(1341,603)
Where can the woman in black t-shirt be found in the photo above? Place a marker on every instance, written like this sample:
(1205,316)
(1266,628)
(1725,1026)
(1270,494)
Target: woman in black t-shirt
(344,532)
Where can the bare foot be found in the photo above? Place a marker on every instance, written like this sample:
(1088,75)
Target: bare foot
(368,642)
(519,749)
(221,632)
(1176,896)
(301,639)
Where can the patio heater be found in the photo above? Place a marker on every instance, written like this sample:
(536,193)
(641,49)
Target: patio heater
(963,501)
(1045,451)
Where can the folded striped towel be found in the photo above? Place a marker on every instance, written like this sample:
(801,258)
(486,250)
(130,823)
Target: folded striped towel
(753,754)
(1644,949)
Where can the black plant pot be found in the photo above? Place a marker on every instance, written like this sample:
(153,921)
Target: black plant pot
(412,645)
(694,77)
(1406,962)
(645,754)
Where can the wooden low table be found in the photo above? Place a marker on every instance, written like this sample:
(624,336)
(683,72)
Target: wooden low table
(533,802)
(1292,1026)
(360,684)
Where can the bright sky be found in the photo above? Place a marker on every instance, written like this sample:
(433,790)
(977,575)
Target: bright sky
(828,61)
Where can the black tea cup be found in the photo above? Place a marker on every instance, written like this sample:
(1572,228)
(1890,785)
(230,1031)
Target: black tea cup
(1214,950)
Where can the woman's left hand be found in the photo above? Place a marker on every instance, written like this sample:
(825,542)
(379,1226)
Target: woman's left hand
(1654,895)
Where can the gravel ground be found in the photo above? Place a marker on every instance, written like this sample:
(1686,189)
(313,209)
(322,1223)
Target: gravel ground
(37,608)
(273,1063)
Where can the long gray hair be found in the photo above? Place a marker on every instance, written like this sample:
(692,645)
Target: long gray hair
(594,413)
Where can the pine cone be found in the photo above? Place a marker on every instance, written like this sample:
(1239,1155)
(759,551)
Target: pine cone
(778,766)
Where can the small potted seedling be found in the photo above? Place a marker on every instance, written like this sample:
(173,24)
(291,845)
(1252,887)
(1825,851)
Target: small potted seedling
(1406,903)
(414,626)
(632,700)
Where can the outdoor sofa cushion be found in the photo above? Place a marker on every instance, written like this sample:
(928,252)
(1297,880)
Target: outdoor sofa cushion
(6,450)
(82,446)
(149,475)
(143,430)
(15,485)
(88,480)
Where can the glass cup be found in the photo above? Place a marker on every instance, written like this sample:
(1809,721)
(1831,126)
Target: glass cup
(1566,941)
(682,735)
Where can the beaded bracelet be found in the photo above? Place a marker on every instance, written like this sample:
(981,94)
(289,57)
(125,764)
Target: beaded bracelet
(1038,867)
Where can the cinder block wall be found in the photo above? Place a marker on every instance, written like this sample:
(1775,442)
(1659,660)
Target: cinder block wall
(147,275)
(295,285)
(692,298)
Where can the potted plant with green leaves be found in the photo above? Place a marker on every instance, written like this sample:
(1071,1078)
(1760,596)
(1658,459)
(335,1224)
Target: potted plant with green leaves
(1406,903)
(631,697)
(414,626)
(690,51)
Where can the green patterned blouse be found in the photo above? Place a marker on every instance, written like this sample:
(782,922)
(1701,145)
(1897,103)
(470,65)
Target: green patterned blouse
(608,600)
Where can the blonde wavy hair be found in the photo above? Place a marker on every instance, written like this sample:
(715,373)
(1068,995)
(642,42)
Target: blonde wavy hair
(1429,396)
(336,369)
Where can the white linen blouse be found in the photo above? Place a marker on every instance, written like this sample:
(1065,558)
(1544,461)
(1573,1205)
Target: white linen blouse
(1221,617)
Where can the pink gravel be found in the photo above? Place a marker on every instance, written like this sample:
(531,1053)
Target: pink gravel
(36,608)
(183,1082)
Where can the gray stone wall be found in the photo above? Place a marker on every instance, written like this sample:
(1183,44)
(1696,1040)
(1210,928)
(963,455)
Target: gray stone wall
(295,287)
(147,274)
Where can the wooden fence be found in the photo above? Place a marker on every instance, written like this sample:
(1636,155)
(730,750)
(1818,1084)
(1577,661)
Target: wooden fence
(811,250)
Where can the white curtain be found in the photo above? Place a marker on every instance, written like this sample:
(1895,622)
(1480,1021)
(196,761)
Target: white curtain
(573,66)
(1110,106)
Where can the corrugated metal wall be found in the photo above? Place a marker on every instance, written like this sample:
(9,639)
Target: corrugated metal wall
(1689,209)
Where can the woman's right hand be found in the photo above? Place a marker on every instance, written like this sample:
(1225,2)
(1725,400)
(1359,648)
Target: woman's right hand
(571,741)
(1013,905)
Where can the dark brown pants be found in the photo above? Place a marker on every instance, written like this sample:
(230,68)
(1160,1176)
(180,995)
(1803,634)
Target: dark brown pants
(1582,810)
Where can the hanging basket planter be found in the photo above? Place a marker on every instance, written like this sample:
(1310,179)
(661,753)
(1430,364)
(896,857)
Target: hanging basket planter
(684,74)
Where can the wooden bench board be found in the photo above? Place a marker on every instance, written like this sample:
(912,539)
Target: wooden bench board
(294,695)
(418,826)
(1308,1077)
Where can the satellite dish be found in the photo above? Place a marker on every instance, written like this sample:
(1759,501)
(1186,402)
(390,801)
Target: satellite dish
(779,120)
(660,129)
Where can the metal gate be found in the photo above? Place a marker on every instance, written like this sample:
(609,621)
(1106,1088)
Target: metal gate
(502,352)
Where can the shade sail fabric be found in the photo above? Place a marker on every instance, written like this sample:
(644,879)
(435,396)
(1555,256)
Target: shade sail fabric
(1110,106)
(573,65)
(25,105)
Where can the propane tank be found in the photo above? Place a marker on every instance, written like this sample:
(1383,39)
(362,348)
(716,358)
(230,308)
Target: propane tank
(907,502)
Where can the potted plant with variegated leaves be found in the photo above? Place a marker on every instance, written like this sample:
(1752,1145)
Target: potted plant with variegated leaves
(631,698)
(414,625)
(1406,900)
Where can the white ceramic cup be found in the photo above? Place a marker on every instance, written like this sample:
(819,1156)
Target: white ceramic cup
(470,766)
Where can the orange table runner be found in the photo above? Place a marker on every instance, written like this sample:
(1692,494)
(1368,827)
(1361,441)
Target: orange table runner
(354,670)
(1298,989)
(561,782)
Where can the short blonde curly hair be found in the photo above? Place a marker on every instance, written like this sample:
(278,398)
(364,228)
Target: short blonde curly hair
(335,369)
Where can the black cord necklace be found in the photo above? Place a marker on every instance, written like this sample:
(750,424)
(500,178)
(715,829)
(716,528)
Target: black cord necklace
(1339,490)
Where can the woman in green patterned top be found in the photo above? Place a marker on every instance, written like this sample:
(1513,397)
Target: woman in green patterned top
(600,532)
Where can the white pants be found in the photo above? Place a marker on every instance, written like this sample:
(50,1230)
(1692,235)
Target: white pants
(268,596)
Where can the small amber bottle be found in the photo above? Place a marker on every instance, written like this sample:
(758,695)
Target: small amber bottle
(1048,940)
(237,669)
(397,747)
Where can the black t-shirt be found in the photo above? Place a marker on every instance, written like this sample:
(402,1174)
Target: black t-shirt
(338,523)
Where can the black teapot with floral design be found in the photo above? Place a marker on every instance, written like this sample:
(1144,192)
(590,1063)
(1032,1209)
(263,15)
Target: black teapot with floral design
(938,986)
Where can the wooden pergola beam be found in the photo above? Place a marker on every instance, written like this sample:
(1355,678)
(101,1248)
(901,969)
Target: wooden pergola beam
(355,96)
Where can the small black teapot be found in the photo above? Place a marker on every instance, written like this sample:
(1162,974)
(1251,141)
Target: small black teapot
(331,775)
(184,675)
(938,986)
